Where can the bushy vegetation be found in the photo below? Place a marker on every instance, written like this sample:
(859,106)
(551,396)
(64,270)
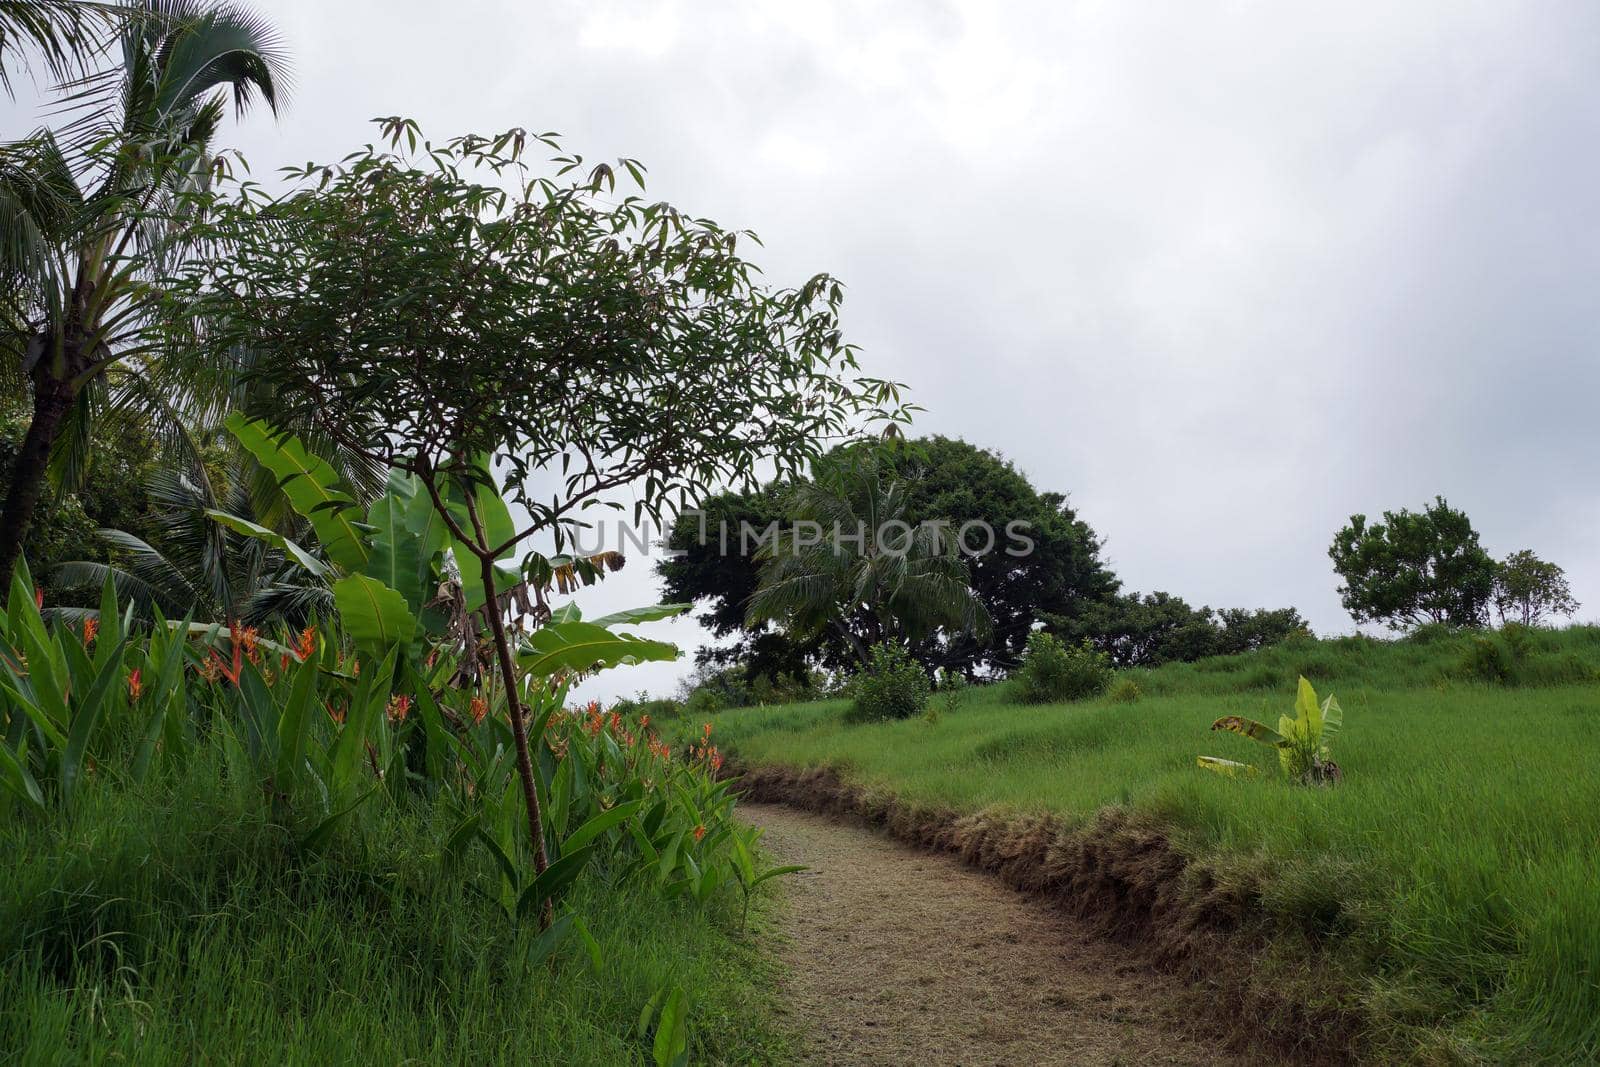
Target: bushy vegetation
(1442,892)
(1051,672)
(891,686)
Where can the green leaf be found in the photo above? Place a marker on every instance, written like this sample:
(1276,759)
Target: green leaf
(271,537)
(582,646)
(671,1048)
(376,616)
(556,877)
(311,485)
(15,777)
(320,834)
(634,616)
(1307,710)
(293,724)
(399,557)
(599,825)
(84,719)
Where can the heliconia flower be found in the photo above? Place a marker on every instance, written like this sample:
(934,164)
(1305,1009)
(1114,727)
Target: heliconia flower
(399,708)
(306,647)
(38,598)
(135,685)
(336,714)
(91,627)
(708,730)
(700,831)
(479,709)
(644,722)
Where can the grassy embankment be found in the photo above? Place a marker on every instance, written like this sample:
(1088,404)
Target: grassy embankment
(178,926)
(1443,897)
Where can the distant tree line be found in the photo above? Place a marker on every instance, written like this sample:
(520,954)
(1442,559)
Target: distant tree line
(1062,584)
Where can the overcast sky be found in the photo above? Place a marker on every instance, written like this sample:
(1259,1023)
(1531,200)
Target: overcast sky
(1224,272)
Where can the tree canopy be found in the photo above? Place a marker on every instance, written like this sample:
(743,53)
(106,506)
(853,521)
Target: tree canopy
(1414,567)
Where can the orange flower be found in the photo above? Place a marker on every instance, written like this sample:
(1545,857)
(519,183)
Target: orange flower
(708,731)
(91,627)
(306,647)
(700,831)
(38,598)
(336,714)
(399,708)
(135,685)
(251,641)
(644,722)
(211,669)
(479,709)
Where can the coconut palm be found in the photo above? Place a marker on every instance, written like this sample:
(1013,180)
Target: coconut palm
(850,562)
(65,35)
(92,212)
(200,567)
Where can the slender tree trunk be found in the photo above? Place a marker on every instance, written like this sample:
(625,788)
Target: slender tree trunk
(519,728)
(52,399)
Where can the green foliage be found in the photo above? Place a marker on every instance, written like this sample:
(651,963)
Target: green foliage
(944,480)
(1157,628)
(1051,672)
(851,563)
(1302,741)
(590,314)
(95,212)
(1124,691)
(1414,568)
(1529,590)
(891,686)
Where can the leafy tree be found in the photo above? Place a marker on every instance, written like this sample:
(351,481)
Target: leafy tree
(65,35)
(513,329)
(945,480)
(1413,568)
(708,565)
(92,212)
(196,565)
(111,494)
(1528,590)
(868,575)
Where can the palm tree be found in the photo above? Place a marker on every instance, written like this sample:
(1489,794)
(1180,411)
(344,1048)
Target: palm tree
(64,34)
(201,568)
(90,214)
(869,574)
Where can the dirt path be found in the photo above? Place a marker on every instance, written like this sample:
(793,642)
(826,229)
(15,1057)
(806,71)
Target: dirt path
(903,957)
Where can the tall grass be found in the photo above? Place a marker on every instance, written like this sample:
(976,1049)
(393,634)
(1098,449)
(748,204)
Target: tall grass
(178,924)
(1455,868)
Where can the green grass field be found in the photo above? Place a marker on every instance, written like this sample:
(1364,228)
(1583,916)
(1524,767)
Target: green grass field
(1456,867)
(178,926)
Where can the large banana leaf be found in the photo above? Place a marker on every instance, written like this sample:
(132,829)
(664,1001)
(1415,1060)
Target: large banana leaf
(400,556)
(634,616)
(575,647)
(271,537)
(311,484)
(375,616)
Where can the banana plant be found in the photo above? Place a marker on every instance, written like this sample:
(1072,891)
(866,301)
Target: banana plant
(1302,741)
(747,869)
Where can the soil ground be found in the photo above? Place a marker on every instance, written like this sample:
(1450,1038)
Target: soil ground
(905,957)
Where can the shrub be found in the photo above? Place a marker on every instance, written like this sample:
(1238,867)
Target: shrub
(891,686)
(1124,691)
(1052,672)
(1486,660)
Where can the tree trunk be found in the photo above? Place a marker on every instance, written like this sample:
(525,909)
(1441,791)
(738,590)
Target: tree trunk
(519,730)
(52,399)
